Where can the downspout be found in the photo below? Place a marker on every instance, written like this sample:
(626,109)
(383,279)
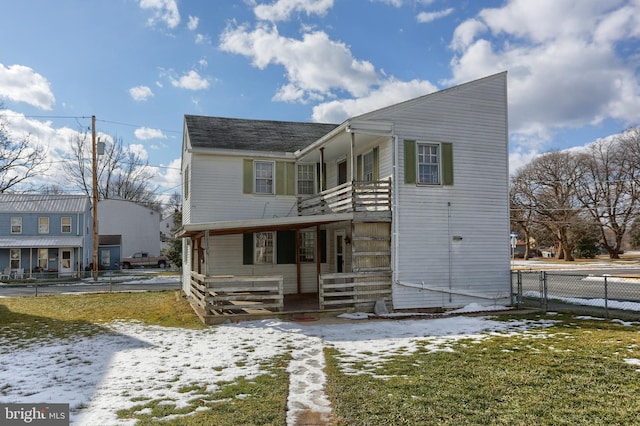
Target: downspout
(395,213)
(450,248)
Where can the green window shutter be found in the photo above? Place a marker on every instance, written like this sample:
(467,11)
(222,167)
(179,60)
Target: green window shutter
(447,163)
(410,161)
(247,249)
(286,250)
(323,246)
(247,176)
(376,167)
(281,178)
(359,168)
(291,179)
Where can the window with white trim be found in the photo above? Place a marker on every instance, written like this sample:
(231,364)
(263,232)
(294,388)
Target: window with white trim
(43,225)
(306,179)
(263,247)
(307,246)
(65,224)
(16,225)
(367,167)
(43,258)
(14,256)
(428,164)
(263,177)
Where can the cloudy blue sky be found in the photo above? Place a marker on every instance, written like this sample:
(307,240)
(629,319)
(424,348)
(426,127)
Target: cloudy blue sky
(140,65)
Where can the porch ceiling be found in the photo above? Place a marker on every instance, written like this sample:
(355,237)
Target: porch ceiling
(256,225)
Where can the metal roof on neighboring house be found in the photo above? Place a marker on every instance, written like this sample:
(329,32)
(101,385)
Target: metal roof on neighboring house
(256,135)
(40,203)
(36,242)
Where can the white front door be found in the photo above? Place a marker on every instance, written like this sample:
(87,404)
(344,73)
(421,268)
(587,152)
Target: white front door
(66,261)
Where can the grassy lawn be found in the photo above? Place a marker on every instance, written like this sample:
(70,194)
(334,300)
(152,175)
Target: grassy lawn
(573,372)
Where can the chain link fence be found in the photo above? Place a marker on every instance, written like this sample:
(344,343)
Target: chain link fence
(602,295)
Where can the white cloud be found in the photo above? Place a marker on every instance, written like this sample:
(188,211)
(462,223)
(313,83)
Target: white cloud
(140,93)
(139,150)
(22,84)
(165,11)
(388,93)
(315,65)
(564,67)
(281,10)
(424,17)
(191,81)
(146,133)
(192,24)
(395,3)
(202,39)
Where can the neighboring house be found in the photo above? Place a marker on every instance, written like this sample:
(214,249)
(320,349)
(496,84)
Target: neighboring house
(125,227)
(45,233)
(408,204)
(166,232)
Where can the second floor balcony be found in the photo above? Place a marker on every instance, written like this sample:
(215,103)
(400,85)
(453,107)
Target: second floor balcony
(350,197)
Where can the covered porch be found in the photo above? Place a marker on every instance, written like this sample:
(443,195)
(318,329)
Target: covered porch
(334,269)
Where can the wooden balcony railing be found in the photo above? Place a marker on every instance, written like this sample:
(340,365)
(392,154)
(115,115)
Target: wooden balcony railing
(354,196)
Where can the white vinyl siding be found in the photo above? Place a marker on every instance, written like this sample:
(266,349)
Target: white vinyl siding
(473,119)
(227,200)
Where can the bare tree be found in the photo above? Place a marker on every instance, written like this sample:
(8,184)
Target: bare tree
(121,173)
(547,188)
(608,189)
(20,158)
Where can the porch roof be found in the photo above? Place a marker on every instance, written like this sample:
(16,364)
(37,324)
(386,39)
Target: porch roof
(40,242)
(257,225)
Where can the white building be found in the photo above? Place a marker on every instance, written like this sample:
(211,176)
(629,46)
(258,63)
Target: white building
(408,203)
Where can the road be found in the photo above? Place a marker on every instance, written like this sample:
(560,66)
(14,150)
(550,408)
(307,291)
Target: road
(622,284)
(102,286)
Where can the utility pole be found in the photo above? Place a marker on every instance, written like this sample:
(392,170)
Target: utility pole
(94,169)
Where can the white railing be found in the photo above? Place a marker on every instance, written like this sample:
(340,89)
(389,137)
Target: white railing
(358,290)
(218,294)
(348,197)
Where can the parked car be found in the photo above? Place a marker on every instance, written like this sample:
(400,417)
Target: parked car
(142,259)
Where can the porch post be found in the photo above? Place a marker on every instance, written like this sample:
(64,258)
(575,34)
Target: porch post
(318,257)
(298,272)
(322,183)
(353,157)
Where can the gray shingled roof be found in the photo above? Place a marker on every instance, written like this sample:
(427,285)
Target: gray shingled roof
(257,135)
(38,203)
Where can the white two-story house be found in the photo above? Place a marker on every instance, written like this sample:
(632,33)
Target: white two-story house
(407,204)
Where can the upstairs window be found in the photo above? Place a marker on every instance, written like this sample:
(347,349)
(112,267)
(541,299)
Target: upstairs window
(43,225)
(306,179)
(16,225)
(429,164)
(65,225)
(263,177)
(367,165)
